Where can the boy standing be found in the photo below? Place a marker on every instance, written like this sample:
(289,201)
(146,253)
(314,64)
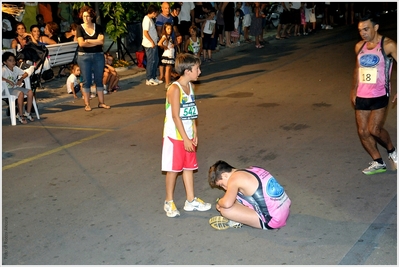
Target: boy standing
(150,41)
(180,137)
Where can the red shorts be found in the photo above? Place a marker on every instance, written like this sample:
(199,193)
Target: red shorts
(175,158)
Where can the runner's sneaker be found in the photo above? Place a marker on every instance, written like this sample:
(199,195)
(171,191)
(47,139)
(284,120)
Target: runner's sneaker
(393,156)
(374,168)
(222,223)
(170,208)
(197,204)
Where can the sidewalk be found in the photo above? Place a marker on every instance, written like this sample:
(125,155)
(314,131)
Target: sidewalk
(54,91)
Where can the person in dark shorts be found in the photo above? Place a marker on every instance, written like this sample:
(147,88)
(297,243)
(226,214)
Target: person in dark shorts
(371,91)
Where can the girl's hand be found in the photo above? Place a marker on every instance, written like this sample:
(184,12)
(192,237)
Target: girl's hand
(188,145)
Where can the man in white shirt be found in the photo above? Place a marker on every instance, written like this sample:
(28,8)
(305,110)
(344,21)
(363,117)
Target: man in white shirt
(150,41)
(186,19)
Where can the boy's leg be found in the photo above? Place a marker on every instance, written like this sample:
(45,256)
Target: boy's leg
(188,180)
(29,101)
(20,103)
(170,181)
(242,214)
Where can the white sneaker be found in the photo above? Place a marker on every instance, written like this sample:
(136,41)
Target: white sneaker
(197,204)
(105,92)
(393,156)
(92,96)
(151,82)
(328,27)
(158,81)
(170,208)
(374,168)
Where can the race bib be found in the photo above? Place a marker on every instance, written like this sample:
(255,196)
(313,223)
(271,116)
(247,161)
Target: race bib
(188,111)
(368,75)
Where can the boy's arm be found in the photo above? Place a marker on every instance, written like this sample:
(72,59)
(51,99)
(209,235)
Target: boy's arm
(229,198)
(173,96)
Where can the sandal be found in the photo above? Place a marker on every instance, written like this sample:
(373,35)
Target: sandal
(102,105)
(21,119)
(87,108)
(28,116)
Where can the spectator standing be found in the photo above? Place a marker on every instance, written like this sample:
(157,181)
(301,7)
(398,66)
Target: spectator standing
(208,35)
(235,35)
(64,13)
(46,10)
(31,10)
(310,16)
(194,43)
(174,12)
(240,21)
(284,21)
(256,25)
(162,18)
(149,42)
(186,20)
(220,25)
(246,22)
(180,136)
(168,55)
(295,11)
(228,18)
(90,55)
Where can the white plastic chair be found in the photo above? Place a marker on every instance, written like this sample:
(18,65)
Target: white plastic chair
(11,100)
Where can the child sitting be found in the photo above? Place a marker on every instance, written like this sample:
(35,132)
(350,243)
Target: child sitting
(73,83)
(110,76)
(14,84)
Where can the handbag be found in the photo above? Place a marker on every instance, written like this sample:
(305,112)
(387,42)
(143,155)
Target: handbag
(141,59)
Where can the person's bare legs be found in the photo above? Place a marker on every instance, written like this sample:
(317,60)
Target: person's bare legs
(29,101)
(170,182)
(370,131)
(161,72)
(168,71)
(188,180)
(242,214)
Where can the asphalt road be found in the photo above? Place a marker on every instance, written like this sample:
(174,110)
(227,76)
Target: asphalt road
(86,187)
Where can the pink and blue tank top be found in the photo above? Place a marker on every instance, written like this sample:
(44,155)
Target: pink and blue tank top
(375,69)
(270,201)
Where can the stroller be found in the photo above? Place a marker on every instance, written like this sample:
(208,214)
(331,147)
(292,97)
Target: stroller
(36,55)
